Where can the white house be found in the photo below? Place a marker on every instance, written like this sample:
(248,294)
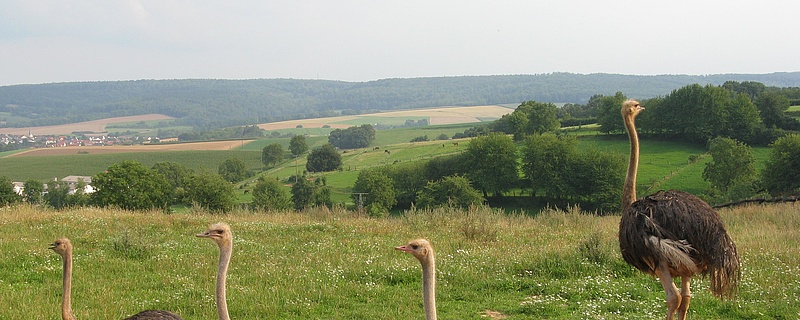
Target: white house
(74,181)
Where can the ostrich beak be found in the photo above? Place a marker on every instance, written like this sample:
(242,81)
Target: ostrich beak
(403,248)
(203,235)
(51,246)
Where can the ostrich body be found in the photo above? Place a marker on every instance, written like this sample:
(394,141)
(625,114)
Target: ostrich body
(221,234)
(64,248)
(423,251)
(673,234)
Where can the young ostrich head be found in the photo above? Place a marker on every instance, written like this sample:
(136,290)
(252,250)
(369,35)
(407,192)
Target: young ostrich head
(61,246)
(630,109)
(423,251)
(220,233)
(420,249)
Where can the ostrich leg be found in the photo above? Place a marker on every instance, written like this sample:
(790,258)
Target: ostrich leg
(686,296)
(673,295)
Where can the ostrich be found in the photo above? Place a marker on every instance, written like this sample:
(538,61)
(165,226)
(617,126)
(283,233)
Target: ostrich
(64,248)
(674,234)
(221,234)
(423,251)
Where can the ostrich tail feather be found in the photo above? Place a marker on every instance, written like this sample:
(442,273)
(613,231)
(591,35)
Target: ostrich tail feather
(675,253)
(726,274)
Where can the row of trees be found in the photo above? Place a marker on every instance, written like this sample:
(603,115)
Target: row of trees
(552,167)
(130,185)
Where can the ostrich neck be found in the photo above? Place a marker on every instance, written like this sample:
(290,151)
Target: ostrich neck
(429,287)
(629,191)
(222,275)
(66,299)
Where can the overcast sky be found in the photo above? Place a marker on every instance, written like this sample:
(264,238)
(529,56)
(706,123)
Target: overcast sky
(97,40)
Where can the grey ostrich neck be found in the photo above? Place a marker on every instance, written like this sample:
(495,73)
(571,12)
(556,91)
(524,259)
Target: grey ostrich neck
(629,190)
(222,274)
(66,300)
(429,286)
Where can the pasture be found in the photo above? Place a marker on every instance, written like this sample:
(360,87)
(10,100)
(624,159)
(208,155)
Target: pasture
(336,265)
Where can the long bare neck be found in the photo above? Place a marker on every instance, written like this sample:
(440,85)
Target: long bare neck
(629,191)
(66,299)
(225,252)
(429,287)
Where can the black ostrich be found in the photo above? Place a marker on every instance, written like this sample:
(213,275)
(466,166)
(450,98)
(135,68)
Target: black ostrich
(673,234)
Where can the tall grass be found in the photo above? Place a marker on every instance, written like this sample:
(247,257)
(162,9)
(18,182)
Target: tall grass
(333,264)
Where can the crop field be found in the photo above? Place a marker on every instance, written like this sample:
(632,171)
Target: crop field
(435,116)
(157,147)
(337,265)
(87,126)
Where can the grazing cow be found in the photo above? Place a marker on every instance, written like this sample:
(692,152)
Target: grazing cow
(376,148)
(455,144)
(387,151)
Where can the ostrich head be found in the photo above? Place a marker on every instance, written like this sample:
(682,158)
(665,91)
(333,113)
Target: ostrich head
(419,248)
(61,246)
(219,232)
(630,109)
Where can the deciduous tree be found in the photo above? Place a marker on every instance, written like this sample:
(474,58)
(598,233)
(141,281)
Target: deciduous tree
(732,162)
(324,158)
(379,189)
(781,174)
(131,186)
(211,192)
(454,191)
(7,194)
(269,194)
(273,154)
(298,145)
(233,169)
(492,163)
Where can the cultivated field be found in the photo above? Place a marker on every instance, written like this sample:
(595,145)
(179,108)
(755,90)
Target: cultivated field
(157,147)
(337,265)
(435,116)
(88,126)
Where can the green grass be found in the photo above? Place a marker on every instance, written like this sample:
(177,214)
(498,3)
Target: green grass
(337,265)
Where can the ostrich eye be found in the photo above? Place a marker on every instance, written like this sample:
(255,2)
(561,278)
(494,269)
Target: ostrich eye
(414,246)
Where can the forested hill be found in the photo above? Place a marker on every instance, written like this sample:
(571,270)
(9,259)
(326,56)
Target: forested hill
(209,104)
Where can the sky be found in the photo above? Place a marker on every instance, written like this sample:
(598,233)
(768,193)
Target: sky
(44,41)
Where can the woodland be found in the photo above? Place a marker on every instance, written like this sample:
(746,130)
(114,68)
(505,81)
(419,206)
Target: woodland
(206,104)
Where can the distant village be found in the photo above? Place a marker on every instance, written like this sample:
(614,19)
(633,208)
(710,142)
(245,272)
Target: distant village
(14,142)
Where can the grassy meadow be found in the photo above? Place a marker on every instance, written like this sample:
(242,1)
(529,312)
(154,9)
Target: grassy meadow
(337,265)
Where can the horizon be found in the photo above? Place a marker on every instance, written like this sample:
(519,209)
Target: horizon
(398,78)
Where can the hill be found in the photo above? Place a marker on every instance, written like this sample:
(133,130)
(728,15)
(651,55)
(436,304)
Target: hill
(207,104)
